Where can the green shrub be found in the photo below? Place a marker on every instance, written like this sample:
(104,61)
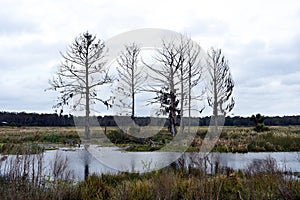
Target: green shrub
(117,136)
(261,128)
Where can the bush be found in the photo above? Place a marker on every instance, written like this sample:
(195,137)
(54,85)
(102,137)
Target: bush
(261,128)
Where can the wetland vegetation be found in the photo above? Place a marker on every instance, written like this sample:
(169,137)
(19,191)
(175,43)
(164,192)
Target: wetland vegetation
(233,139)
(260,180)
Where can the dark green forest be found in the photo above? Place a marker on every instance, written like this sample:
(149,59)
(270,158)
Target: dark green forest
(36,119)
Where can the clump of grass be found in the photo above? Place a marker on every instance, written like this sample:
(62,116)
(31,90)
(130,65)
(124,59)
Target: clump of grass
(20,149)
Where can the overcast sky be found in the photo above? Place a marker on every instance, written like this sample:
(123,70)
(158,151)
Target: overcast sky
(261,40)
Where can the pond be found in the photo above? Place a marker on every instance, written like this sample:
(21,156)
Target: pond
(113,159)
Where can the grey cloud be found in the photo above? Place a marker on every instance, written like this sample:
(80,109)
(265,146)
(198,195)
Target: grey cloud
(256,66)
(292,81)
(266,99)
(35,53)
(257,60)
(25,91)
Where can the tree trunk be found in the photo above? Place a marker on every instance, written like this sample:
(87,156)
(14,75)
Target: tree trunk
(87,99)
(172,125)
(215,105)
(181,102)
(190,99)
(132,90)
(172,114)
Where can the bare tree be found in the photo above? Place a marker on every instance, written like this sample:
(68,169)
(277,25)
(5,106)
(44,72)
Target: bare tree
(130,77)
(190,76)
(79,75)
(220,85)
(178,73)
(166,81)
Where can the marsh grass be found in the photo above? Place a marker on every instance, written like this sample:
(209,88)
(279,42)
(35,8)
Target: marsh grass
(23,177)
(262,180)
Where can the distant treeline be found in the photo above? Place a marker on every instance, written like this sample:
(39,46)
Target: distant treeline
(35,119)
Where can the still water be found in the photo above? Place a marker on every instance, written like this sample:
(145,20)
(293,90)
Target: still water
(112,160)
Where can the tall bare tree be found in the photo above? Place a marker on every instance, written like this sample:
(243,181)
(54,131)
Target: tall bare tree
(179,71)
(165,78)
(130,77)
(80,73)
(190,76)
(78,76)
(220,86)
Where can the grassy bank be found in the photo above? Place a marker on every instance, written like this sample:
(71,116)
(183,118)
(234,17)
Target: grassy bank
(232,139)
(21,140)
(245,139)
